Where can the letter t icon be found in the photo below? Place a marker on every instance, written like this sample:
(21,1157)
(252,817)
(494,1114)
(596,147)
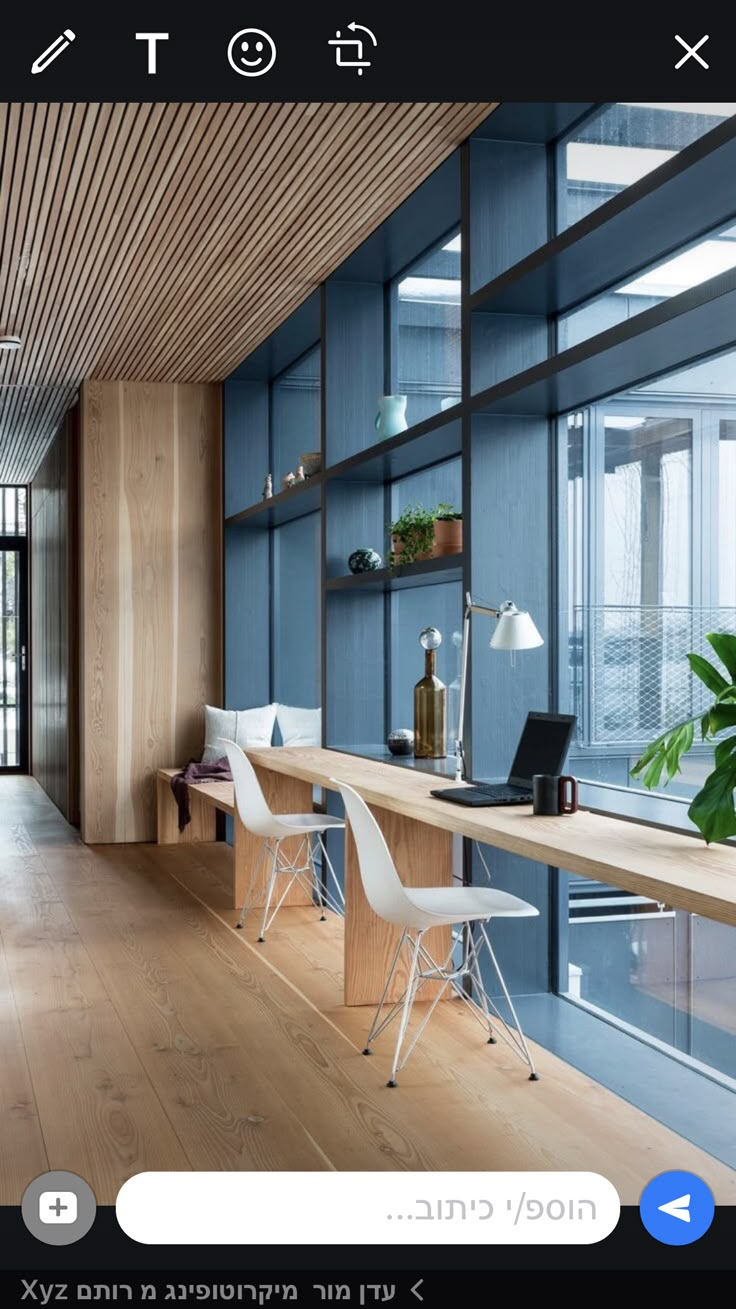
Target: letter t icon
(152,38)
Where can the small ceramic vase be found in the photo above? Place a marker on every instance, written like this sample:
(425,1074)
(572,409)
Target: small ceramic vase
(400,741)
(391,416)
(364,561)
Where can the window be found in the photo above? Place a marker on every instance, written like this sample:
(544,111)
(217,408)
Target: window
(651,563)
(667,974)
(670,277)
(426,337)
(13,523)
(10,640)
(13,511)
(727,511)
(650,570)
(623,143)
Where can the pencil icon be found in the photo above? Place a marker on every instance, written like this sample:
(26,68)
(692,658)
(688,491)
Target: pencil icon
(56,48)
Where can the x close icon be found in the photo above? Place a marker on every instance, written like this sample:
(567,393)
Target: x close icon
(691,51)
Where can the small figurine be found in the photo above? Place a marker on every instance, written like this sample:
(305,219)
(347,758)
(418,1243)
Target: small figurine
(300,475)
(268,487)
(288,481)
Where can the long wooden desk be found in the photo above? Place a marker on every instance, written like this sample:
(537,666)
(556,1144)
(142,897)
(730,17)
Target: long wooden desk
(670,867)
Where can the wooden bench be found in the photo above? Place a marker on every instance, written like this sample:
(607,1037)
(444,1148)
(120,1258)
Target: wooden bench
(284,794)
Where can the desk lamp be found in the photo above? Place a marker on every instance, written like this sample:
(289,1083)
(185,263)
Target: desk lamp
(515,630)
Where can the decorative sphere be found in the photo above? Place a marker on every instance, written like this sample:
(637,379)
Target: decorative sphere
(400,741)
(364,561)
(430,638)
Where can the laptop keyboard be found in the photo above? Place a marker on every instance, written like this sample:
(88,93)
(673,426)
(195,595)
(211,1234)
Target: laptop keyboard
(501,792)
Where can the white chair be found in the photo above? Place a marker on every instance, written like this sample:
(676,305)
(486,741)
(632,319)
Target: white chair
(256,815)
(415,910)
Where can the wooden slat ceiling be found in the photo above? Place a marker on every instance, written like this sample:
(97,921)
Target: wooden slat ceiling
(163,242)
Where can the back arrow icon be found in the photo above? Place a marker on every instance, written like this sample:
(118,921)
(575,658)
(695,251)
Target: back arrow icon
(679,1208)
(414,1290)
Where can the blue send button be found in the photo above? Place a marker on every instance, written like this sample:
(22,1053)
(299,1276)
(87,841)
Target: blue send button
(677,1208)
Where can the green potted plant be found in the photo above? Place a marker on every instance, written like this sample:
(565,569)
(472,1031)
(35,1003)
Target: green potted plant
(712,810)
(448,530)
(412,535)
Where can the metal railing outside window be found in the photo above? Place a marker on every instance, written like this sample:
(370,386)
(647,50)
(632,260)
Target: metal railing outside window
(629,675)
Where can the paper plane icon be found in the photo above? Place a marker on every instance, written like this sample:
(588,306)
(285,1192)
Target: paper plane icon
(679,1208)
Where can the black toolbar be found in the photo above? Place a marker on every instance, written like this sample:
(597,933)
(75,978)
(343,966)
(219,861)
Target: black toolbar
(263,52)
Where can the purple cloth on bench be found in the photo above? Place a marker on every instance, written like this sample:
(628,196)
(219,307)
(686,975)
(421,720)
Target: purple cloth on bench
(219,771)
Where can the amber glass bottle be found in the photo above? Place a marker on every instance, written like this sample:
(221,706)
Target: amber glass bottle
(430,712)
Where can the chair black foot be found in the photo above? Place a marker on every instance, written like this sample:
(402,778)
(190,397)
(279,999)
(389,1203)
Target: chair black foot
(492,1040)
(534,1077)
(239,926)
(323,919)
(367,1050)
(392,1083)
(261,940)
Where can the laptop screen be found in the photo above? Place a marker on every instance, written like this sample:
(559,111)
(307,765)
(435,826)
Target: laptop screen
(543,747)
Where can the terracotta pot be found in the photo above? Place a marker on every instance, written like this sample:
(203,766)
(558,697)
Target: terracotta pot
(397,545)
(448,536)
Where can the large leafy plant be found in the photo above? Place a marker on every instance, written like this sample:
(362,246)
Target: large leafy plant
(712,810)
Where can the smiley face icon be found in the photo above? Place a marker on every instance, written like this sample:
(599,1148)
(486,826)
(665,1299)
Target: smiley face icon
(252,52)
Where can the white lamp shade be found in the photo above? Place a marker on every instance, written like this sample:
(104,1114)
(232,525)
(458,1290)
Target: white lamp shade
(515,630)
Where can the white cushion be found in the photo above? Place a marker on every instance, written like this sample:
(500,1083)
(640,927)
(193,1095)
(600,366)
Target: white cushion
(249,728)
(299,726)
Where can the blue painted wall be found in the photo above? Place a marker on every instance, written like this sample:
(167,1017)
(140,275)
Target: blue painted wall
(296,659)
(246,454)
(247,618)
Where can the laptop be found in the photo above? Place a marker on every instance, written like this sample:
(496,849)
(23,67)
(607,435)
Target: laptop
(542,748)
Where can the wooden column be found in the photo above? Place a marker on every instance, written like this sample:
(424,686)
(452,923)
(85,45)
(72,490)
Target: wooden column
(151,605)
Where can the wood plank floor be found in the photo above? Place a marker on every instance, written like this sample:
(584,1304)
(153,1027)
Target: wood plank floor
(140,1031)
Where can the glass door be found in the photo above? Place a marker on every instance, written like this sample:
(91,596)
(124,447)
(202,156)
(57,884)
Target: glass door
(13,631)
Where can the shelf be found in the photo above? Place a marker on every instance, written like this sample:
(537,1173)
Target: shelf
(427,572)
(539,122)
(444,768)
(671,207)
(423,218)
(431,442)
(681,331)
(300,500)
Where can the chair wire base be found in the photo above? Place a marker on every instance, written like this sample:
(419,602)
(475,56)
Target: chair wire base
(423,968)
(301,869)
